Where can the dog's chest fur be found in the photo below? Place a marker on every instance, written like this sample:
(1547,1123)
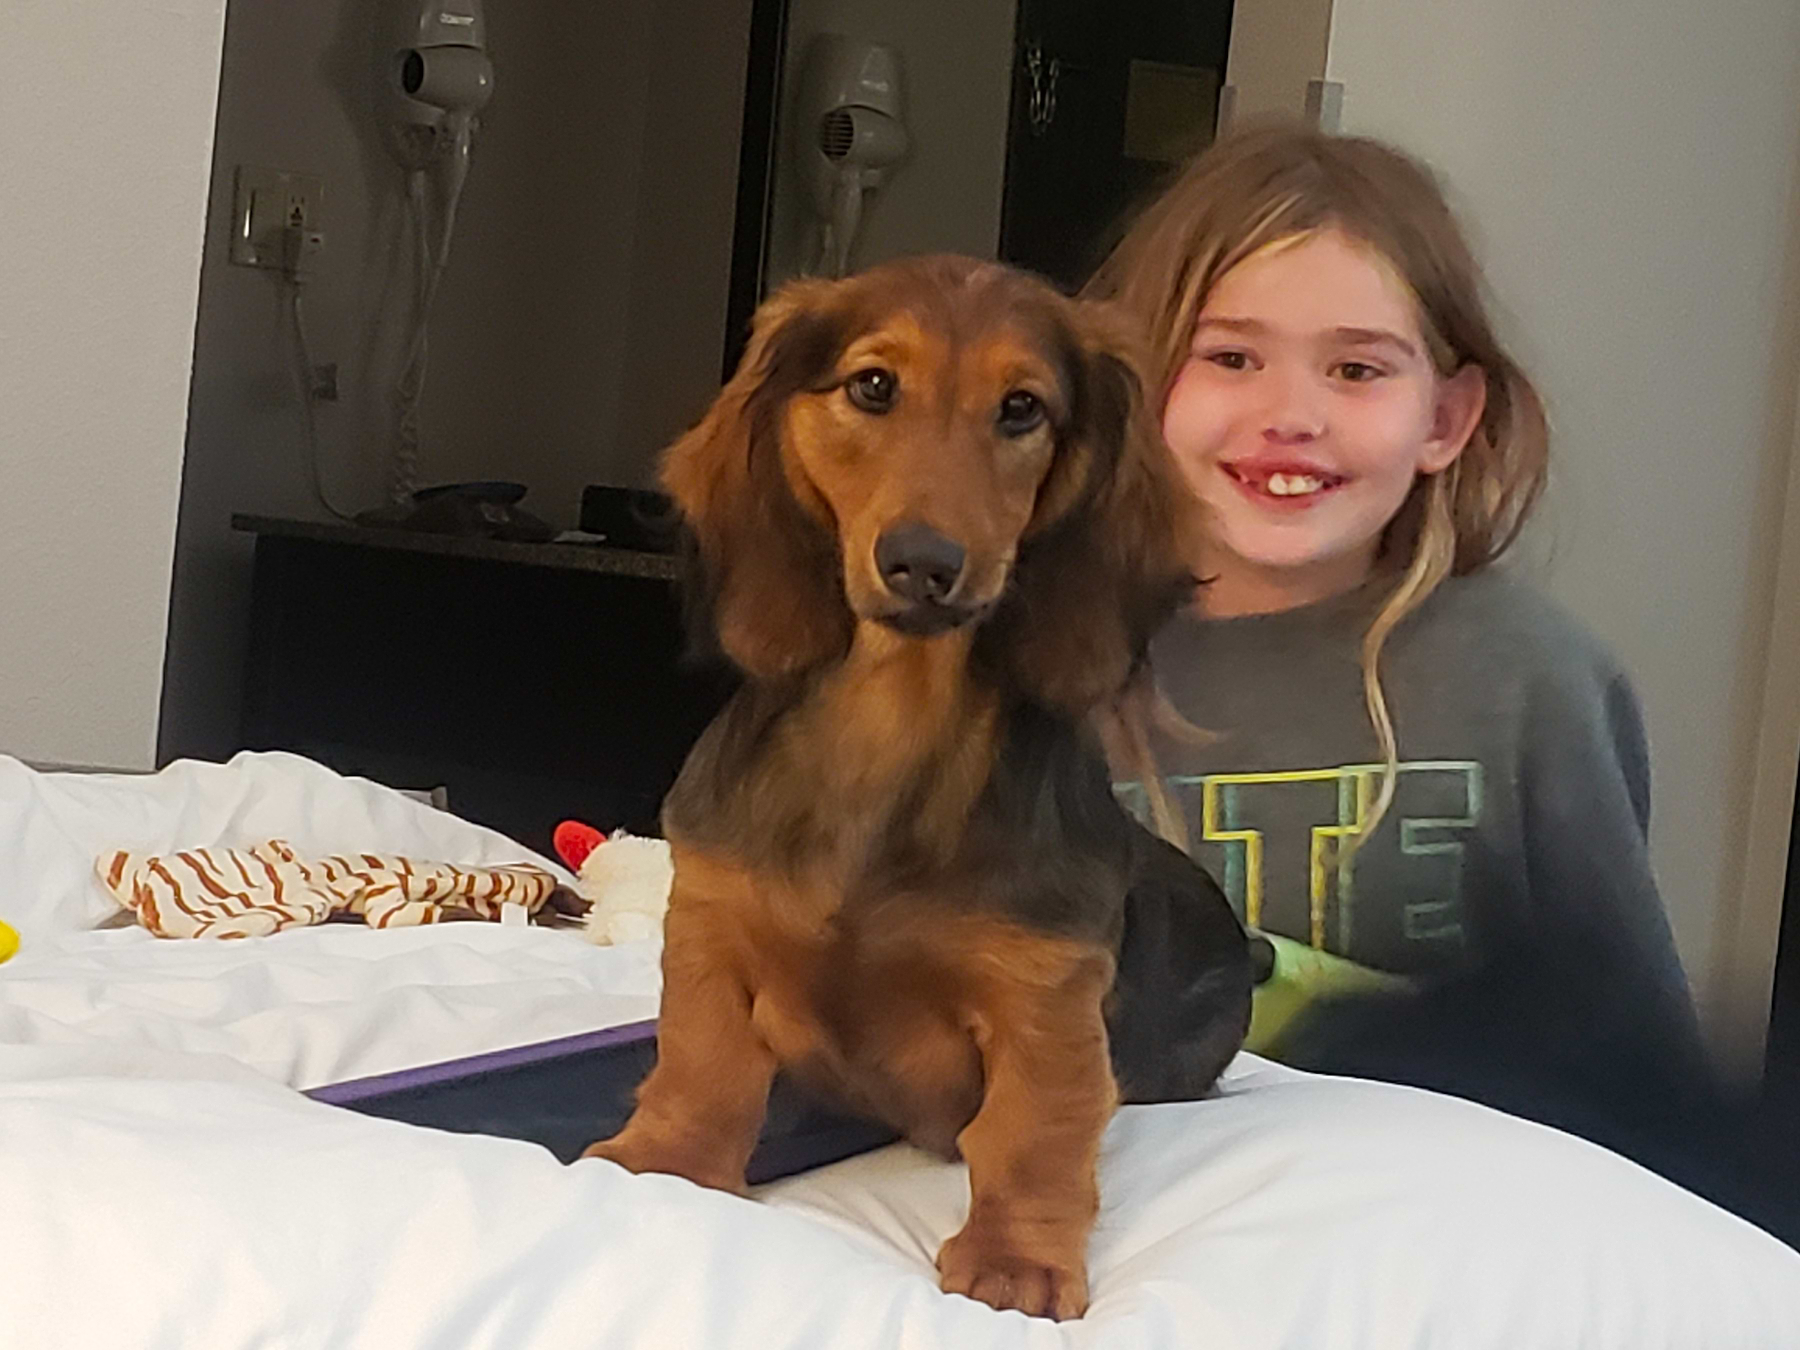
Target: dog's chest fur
(876,849)
(900,775)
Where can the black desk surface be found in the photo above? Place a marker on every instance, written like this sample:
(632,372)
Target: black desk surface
(575,557)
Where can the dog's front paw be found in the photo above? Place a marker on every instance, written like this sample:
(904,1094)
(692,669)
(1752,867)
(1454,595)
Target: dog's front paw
(639,1154)
(613,1151)
(1038,1279)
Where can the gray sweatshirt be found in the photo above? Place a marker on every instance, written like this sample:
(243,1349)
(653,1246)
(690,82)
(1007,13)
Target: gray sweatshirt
(1510,880)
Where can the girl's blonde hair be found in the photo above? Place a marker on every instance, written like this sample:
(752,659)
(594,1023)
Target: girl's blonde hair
(1275,183)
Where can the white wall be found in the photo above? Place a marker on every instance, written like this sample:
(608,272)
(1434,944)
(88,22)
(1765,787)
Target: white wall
(956,63)
(107,117)
(1631,174)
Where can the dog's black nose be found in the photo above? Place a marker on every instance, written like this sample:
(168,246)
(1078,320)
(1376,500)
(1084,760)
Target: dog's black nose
(918,563)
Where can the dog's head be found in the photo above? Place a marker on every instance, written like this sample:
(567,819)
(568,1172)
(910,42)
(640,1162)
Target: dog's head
(933,445)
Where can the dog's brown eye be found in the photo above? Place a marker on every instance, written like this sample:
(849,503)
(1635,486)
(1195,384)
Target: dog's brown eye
(1021,411)
(873,389)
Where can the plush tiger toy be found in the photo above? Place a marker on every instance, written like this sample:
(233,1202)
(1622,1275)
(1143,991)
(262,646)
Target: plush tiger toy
(233,893)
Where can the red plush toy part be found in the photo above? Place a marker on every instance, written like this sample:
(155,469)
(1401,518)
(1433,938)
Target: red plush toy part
(574,841)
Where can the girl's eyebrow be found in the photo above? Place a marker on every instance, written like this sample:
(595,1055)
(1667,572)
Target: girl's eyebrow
(1232,325)
(1377,337)
(1362,337)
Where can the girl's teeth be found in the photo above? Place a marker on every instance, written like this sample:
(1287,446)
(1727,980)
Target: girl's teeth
(1293,484)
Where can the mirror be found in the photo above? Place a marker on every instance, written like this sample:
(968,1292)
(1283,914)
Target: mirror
(1031,130)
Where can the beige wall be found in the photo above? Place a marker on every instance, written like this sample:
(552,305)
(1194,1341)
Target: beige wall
(580,323)
(107,113)
(1632,185)
(1277,46)
(956,60)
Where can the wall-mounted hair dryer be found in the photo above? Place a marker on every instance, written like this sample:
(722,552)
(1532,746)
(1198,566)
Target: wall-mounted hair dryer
(849,132)
(438,77)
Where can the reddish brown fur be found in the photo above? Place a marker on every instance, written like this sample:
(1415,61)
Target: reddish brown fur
(854,889)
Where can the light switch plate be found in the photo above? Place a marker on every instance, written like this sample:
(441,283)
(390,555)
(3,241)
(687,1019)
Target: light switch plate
(265,203)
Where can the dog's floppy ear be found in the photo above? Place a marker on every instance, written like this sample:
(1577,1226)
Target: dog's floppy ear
(1107,558)
(768,570)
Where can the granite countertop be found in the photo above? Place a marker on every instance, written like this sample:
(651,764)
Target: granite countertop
(568,556)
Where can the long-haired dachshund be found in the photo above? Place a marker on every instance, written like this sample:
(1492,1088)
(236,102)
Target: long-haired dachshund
(935,531)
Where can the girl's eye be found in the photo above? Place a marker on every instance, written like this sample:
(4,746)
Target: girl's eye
(873,389)
(1021,411)
(1230,360)
(1358,372)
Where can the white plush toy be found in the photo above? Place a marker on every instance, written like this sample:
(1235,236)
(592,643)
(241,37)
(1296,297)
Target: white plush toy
(624,878)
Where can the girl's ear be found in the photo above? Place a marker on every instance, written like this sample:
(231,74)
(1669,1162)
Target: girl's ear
(1106,560)
(768,573)
(1461,401)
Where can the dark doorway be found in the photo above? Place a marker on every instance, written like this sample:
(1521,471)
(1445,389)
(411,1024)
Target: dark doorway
(1109,97)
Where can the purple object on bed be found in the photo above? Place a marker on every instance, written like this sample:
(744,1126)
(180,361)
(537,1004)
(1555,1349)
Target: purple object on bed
(565,1093)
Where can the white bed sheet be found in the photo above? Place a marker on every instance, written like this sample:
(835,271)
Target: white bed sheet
(325,1005)
(308,1006)
(156,1200)
(162,1185)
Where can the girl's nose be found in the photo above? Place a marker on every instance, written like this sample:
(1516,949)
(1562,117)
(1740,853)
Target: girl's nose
(1294,413)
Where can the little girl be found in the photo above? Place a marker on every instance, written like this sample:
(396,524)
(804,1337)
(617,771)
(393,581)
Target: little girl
(1424,781)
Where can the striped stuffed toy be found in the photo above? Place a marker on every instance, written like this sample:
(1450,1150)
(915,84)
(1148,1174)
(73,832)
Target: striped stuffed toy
(233,893)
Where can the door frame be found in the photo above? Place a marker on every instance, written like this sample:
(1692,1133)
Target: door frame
(756,174)
(1748,929)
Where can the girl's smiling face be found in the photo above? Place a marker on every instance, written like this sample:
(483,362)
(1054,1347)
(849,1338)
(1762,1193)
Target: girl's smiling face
(1307,408)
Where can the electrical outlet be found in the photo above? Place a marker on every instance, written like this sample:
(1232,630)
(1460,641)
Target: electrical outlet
(264,204)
